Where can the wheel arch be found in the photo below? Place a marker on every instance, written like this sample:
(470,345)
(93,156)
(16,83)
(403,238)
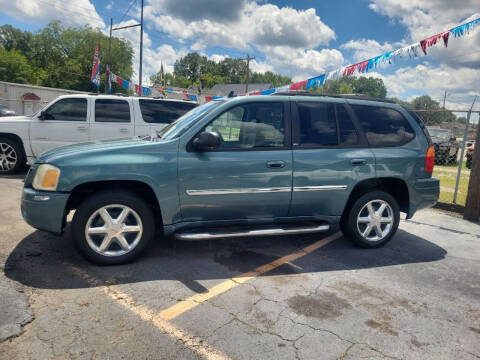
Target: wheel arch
(394,186)
(139,188)
(14,137)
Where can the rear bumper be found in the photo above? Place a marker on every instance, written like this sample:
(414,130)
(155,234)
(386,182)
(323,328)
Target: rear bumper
(44,210)
(423,193)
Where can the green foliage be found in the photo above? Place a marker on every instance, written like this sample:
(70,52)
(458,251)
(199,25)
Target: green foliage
(62,57)
(14,67)
(196,70)
(355,85)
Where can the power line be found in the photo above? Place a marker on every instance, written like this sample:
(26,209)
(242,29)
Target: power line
(126,12)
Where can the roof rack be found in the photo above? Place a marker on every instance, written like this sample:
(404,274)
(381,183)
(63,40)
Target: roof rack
(343,96)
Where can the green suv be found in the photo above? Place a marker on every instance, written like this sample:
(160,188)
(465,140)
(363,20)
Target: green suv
(255,165)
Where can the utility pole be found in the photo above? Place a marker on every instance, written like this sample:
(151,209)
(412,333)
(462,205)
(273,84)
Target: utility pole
(248,58)
(109,56)
(141,47)
(472,206)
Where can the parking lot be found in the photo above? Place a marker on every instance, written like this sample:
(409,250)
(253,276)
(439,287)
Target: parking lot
(304,297)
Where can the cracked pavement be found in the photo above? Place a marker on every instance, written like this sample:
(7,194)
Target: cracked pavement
(417,297)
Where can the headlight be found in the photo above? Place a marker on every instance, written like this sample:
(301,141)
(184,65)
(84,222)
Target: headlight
(46,178)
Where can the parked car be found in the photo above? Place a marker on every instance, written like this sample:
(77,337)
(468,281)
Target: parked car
(74,119)
(469,156)
(446,145)
(4,111)
(255,165)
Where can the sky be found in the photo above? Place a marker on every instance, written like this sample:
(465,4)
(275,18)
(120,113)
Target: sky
(300,39)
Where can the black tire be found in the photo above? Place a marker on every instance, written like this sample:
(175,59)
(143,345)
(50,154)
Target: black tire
(350,228)
(88,207)
(21,159)
(469,162)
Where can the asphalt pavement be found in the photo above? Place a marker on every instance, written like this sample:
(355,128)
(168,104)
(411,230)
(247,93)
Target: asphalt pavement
(292,297)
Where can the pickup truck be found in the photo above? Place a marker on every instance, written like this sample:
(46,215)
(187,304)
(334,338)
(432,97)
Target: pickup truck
(252,165)
(74,119)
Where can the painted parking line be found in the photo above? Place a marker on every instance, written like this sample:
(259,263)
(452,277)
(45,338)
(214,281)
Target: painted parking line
(194,343)
(197,299)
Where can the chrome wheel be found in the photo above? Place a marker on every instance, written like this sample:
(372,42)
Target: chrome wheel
(375,220)
(8,157)
(113,230)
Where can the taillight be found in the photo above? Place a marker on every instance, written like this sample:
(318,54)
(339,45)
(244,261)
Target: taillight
(430,159)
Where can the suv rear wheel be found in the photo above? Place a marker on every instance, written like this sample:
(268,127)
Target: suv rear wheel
(113,227)
(12,156)
(372,220)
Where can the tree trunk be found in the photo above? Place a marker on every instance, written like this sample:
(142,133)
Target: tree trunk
(472,207)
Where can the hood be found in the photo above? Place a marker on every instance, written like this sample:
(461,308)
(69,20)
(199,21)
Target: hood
(90,147)
(439,140)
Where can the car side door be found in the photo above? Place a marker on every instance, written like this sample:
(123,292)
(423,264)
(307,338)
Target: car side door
(330,156)
(112,119)
(64,122)
(248,177)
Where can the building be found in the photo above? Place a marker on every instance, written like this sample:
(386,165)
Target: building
(28,99)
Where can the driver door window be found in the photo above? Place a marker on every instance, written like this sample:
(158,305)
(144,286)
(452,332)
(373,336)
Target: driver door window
(250,126)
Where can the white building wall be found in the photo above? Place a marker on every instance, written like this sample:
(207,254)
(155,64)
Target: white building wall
(11,96)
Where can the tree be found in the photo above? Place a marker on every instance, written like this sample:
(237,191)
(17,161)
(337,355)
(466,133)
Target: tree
(355,85)
(62,57)
(472,206)
(14,67)
(425,102)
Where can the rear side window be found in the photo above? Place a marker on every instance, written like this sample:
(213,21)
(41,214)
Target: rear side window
(383,126)
(318,126)
(163,112)
(111,110)
(420,123)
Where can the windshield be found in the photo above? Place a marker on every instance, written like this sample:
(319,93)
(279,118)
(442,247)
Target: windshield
(184,122)
(442,134)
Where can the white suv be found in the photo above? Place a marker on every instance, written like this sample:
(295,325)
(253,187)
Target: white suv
(80,118)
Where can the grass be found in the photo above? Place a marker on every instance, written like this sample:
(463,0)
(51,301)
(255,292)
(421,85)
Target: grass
(448,175)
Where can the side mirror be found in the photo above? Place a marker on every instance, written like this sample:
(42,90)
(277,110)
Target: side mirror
(206,141)
(41,116)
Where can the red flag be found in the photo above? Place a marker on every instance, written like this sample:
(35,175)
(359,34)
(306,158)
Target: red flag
(299,85)
(432,40)
(208,98)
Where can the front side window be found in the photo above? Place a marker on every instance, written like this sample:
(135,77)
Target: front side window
(111,110)
(317,124)
(250,126)
(163,112)
(73,109)
(383,126)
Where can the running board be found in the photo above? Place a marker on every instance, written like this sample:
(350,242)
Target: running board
(246,233)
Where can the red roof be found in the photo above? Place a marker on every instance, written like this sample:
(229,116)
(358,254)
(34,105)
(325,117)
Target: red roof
(30,96)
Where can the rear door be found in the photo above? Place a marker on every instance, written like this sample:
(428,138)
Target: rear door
(156,114)
(65,122)
(330,156)
(112,119)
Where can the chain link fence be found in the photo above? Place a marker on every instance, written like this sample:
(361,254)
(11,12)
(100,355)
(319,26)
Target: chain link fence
(453,135)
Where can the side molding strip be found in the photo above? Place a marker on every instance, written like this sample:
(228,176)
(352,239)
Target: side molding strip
(320,188)
(238,191)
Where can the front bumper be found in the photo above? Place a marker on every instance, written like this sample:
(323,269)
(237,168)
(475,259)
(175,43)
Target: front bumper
(44,210)
(423,193)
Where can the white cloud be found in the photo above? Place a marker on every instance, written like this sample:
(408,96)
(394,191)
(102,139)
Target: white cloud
(364,49)
(218,58)
(152,58)
(424,18)
(260,66)
(257,25)
(71,13)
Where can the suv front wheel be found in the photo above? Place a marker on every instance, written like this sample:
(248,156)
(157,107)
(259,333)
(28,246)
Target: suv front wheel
(372,220)
(113,227)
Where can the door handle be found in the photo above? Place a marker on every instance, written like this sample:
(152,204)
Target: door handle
(276,164)
(81,128)
(358,162)
(123,130)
